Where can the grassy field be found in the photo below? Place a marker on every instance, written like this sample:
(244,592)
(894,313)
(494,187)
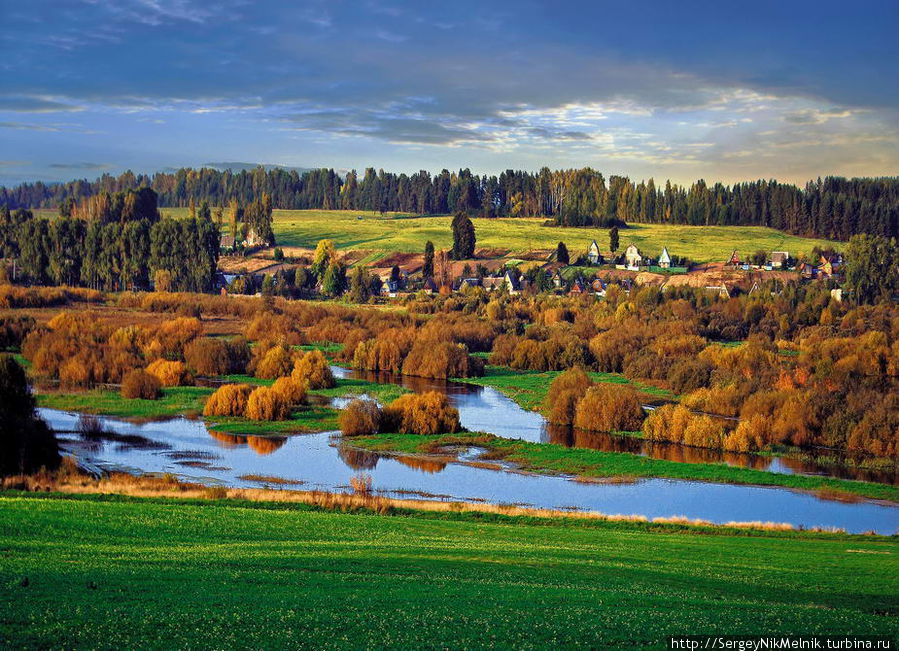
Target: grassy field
(408,234)
(275,576)
(550,458)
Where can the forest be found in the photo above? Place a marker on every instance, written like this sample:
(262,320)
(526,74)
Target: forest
(833,207)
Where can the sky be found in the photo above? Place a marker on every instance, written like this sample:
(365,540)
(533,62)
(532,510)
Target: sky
(724,91)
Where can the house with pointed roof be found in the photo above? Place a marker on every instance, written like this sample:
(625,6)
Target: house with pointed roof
(734,260)
(632,256)
(577,287)
(511,282)
(593,254)
(779,259)
(665,258)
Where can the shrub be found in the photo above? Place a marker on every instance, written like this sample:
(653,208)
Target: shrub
(228,400)
(208,356)
(292,391)
(140,384)
(441,359)
(573,380)
(360,418)
(421,413)
(267,404)
(170,374)
(313,368)
(276,362)
(609,408)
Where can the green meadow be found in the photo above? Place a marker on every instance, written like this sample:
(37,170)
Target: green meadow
(394,232)
(397,232)
(111,572)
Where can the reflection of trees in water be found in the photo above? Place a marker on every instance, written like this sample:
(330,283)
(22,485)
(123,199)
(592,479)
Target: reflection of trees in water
(605,442)
(230,440)
(259,444)
(425,465)
(266,444)
(358,459)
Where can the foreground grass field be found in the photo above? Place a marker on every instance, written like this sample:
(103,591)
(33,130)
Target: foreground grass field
(408,234)
(167,574)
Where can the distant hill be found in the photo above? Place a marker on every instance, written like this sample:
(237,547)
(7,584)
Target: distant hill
(249,167)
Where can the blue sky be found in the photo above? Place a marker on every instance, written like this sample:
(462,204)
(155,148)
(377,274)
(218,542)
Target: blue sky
(682,90)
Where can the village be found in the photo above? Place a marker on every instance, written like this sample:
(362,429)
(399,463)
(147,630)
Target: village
(251,268)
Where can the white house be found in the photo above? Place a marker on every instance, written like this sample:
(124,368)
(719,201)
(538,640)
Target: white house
(665,259)
(593,254)
(632,255)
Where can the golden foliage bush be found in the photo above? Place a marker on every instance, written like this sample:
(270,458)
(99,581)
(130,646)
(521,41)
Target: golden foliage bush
(267,404)
(208,356)
(170,374)
(609,408)
(574,379)
(313,369)
(292,391)
(274,362)
(441,359)
(140,384)
(421,413)
(228,400)
(360,418)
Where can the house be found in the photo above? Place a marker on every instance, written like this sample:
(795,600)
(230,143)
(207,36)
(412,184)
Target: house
(253,239)
(721,290)
(577,287)
(511,282)
(665,259)
(632,256)
(490,283)
(429,286)
(226,242)
(469,283)
(734,260)
(808,271)
(779,259)
(830,265)
(558,281)
(598,287)
(593,254)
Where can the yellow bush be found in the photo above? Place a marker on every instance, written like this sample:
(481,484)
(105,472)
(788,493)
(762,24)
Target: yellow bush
(266,404)
(313,368)
(140,384)
(228,400)
(170,374)
(276,362)
(360,418)
(421,413)
(292,391)
(609,408)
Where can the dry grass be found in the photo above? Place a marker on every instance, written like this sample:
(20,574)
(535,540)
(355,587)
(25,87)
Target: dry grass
(69,480)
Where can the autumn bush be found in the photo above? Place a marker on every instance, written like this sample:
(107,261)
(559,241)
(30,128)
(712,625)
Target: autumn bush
(609,408)
(208,356)
(141,384)
(421,413)
(266,404)
(170,374)
(292,391)
(271,361)
(313,369)
(228,400)
(564,392)
(441,359)
(360,418)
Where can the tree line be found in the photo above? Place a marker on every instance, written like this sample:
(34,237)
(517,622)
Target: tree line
(113,242)
(832,207)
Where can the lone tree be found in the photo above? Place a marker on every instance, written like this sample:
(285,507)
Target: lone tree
(613,238)
(562,253)
(463,237)
(428,269)
(26,443)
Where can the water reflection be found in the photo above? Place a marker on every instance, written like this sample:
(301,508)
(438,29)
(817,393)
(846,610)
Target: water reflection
(484,409)
(319,462)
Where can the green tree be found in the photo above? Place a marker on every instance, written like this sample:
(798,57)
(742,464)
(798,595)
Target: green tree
(427,269)
(463,237)
(872,268)
(613,239)
(562,253)
(334,280)
(325,254)
(26,443)
(360,285)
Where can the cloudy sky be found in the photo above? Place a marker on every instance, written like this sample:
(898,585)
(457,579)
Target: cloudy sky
(721,90)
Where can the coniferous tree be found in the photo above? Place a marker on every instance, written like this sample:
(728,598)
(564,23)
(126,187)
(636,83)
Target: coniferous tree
(427,269)
(613,239)
(463,237)
(562,253)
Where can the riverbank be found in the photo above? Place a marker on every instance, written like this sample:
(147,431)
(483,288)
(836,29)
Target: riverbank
(188,402)
(552,459)
(287,575)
